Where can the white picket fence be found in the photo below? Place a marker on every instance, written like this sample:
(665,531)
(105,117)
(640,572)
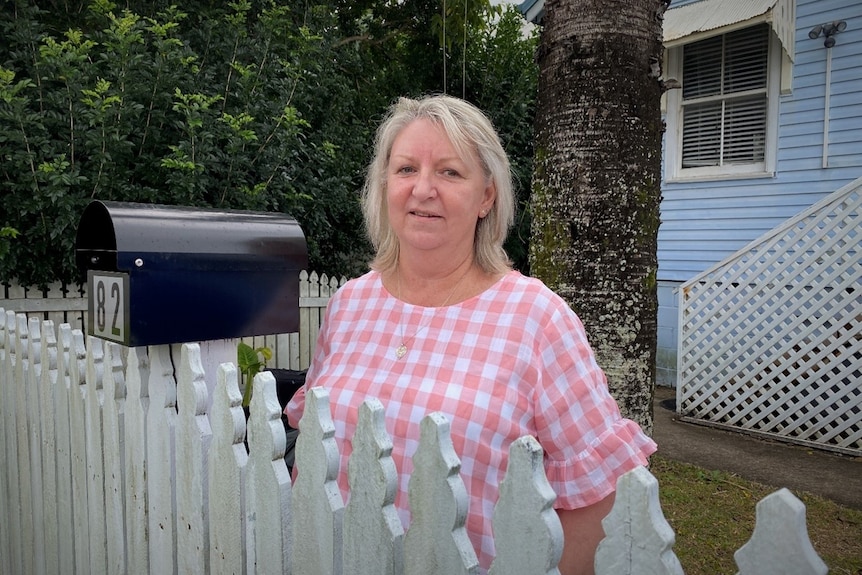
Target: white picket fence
(68,304)
(58,302)
(113,462)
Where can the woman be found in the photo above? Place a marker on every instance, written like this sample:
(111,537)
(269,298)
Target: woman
(442,323)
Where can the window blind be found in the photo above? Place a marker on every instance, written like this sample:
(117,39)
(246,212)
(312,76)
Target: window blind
(724,105)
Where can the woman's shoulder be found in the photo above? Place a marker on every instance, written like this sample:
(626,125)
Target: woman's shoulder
(527,289)
(364,287)
(367,279)
(528,296)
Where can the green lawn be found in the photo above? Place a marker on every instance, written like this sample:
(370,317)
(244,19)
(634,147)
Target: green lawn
(712,514)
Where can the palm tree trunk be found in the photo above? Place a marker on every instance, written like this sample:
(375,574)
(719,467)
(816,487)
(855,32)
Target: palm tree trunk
(596,186)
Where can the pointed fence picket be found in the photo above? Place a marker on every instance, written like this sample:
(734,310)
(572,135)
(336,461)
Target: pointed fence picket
(135,468)
(142,473)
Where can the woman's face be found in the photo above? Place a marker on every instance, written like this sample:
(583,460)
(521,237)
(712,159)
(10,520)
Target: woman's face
(435,196)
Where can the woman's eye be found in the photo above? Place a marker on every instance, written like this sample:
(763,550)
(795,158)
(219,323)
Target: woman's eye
(405,170)
(451,173)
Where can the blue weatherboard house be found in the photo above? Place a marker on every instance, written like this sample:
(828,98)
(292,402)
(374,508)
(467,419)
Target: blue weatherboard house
(759,249)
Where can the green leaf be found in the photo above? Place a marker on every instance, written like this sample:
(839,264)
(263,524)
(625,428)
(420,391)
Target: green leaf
(246,357)
(249,363)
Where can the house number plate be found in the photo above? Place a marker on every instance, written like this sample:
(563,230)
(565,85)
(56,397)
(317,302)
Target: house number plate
(108,306)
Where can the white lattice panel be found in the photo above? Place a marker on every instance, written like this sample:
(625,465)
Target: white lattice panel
(771,338)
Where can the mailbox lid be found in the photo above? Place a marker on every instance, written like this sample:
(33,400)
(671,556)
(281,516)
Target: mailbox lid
(120,236)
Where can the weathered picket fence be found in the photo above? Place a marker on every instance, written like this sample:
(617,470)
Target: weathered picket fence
(61,303)
(68,304)
(112,462)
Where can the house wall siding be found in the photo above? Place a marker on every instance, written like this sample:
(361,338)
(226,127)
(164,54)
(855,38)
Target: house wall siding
(667,328)
(704,222)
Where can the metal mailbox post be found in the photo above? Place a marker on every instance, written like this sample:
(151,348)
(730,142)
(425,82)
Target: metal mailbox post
(165,274)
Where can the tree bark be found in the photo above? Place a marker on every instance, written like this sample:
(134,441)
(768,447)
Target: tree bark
(596,186)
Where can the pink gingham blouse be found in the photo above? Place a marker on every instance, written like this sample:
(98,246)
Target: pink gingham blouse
(511,361)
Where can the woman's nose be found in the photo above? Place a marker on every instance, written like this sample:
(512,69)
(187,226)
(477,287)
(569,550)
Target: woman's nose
(425,185)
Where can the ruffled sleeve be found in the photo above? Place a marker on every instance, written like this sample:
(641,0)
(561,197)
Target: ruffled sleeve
(588,444)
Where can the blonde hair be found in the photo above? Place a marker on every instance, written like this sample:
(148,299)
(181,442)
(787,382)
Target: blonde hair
(470,132)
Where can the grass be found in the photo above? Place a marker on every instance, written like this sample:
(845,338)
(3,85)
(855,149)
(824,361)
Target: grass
(712,514)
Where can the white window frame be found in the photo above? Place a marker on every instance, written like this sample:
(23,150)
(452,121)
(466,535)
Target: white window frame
(673,134)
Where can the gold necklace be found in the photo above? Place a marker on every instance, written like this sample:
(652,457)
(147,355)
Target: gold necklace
(402,349)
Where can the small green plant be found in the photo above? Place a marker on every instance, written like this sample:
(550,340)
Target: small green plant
(250,361)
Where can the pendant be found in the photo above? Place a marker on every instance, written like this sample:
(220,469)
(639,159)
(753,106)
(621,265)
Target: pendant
(401,351)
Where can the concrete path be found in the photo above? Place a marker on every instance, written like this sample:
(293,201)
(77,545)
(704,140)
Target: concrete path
(778,464)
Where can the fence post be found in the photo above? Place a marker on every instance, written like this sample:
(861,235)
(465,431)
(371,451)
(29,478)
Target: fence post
(11,528)
(4,493)
(373,534)
(227,487)
(528,536)
(113,411)
(436,542)
(268,515)
(193,440)
(780,543)
(95,456)
(136,493)
(78,449)
(637,533)
(34,437)
(25,484)
(318,508)
(309,287)
(46,388)
(161,458)
(61,392)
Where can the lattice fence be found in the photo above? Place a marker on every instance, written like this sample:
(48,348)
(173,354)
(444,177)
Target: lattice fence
(771,338)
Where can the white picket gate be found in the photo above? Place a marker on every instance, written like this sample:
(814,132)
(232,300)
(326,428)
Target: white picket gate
(117,460)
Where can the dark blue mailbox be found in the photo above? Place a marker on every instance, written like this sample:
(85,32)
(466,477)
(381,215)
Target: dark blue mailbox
(165,274)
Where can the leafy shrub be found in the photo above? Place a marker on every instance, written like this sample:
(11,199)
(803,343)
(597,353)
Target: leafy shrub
(250,104)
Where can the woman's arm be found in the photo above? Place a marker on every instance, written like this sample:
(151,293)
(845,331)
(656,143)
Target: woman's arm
(582,531)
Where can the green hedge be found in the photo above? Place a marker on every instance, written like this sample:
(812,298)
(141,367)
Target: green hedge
(242,105)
